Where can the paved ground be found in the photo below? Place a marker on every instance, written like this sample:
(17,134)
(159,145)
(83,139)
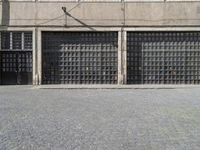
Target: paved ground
(126,119)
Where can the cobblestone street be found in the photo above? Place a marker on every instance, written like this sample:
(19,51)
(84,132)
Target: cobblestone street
(99,119)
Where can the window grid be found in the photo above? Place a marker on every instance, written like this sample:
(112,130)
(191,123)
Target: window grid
(17,40)
(5,40)
(12,41)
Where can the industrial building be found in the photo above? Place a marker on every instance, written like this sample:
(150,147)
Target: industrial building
(99,42)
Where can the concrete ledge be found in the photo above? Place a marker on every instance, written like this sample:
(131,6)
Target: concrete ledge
(115,86)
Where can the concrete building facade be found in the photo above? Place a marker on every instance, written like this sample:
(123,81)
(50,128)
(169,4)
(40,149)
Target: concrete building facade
(100,42)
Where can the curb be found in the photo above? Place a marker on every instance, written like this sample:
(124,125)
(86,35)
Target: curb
(116,86)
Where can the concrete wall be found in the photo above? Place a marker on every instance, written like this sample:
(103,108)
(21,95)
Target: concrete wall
(42,16)
(101,14)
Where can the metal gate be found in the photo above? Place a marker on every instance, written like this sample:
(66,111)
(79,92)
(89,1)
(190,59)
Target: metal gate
(163,57)
(15,58)
(79,57)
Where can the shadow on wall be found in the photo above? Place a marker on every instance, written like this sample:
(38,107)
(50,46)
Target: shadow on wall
(5,13)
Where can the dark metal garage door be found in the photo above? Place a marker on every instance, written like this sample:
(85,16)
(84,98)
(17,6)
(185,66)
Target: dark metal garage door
(79,57)
(163,58)
(15,58)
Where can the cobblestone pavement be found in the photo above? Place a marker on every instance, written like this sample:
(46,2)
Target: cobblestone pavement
(120,119)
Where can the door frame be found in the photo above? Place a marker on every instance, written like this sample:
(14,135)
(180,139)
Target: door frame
(78,29)
(160,29)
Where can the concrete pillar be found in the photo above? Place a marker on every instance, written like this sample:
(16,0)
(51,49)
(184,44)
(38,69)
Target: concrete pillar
(122,57)
(39,57)
(34,58)
(120,76)
(125,57)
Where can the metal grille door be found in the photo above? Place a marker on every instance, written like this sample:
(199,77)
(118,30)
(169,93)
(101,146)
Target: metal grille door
(163,58)
(79,57)
(16,58)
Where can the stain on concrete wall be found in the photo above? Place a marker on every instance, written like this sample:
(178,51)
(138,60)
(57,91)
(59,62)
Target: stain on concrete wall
(5,13)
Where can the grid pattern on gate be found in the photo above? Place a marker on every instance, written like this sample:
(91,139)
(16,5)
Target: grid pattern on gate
(8,62)
(25,62)
(163,58)
(79,57)
(16,52)
(16,62)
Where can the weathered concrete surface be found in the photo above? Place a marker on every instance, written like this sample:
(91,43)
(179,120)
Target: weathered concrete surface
(104,14)
(99,119)
(5,17)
